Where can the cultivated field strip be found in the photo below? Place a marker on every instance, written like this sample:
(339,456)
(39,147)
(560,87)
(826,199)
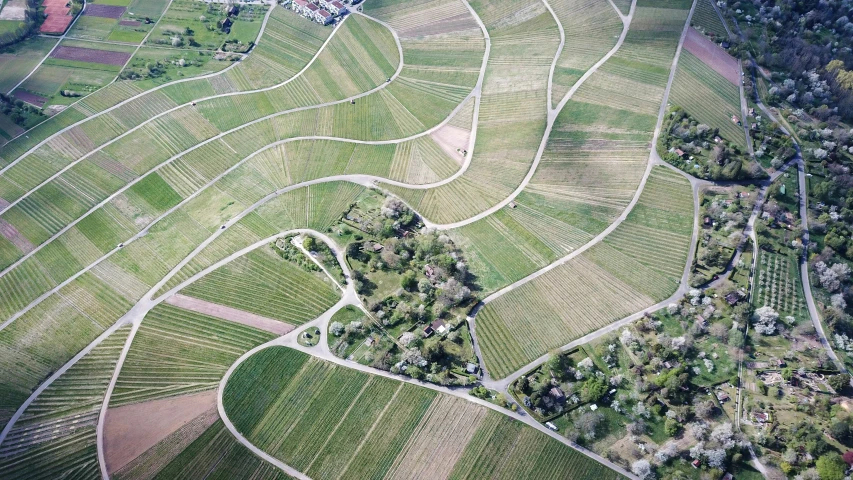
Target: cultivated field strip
(218,454)
(706,19)
(265,284)
(244,141)
(315,207)
(330,421)
(147,465)
(287,40)
(595,157)
(45,338)
(638,264)
(55,436)
(708,97)
(513,112)
(592,28)
(779,285)
(177,351)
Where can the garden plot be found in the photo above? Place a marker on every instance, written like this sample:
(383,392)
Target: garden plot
(592,28)
(638,264)
(512,113)
(55,437)
(708,97)
(176,352)
(778,285)
(263,283)
(330,421)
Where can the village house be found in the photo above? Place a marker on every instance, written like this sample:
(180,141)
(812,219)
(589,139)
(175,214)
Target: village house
(301,7)
(558,394)
(473,368)
(722,396)
(333,6)
(323,16)
(439,326)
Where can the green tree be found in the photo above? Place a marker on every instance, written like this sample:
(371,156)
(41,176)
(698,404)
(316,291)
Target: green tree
(593,389)
(671,426)
(830,467)
(788,373)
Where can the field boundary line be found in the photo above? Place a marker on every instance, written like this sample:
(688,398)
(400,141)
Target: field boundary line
(553,113)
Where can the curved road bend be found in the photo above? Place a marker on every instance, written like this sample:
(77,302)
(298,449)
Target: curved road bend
(324,354)
(138,312)
(199,145)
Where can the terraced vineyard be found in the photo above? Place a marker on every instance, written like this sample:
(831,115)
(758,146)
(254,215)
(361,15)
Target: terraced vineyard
(638,264)
(708,97)
(55,435)
(592,164)
(330,421)
(139,225)
(177,351)
(263,283)
(708,21)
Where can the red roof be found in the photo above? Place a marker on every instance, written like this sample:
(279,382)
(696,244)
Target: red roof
(337,4)
(301,3)
(324,13)
(312,7)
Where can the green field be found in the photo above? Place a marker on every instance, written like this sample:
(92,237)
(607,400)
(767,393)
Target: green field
(592,164)
(708,97)
(329,421)
(706,19)
(592,28)
(641,262)
(177,351)
(262,282)
(47,336)
(20,59)
(55,436)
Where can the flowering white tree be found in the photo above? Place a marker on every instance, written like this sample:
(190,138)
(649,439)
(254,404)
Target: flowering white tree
(716,458)
(764,320)
(643,469)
